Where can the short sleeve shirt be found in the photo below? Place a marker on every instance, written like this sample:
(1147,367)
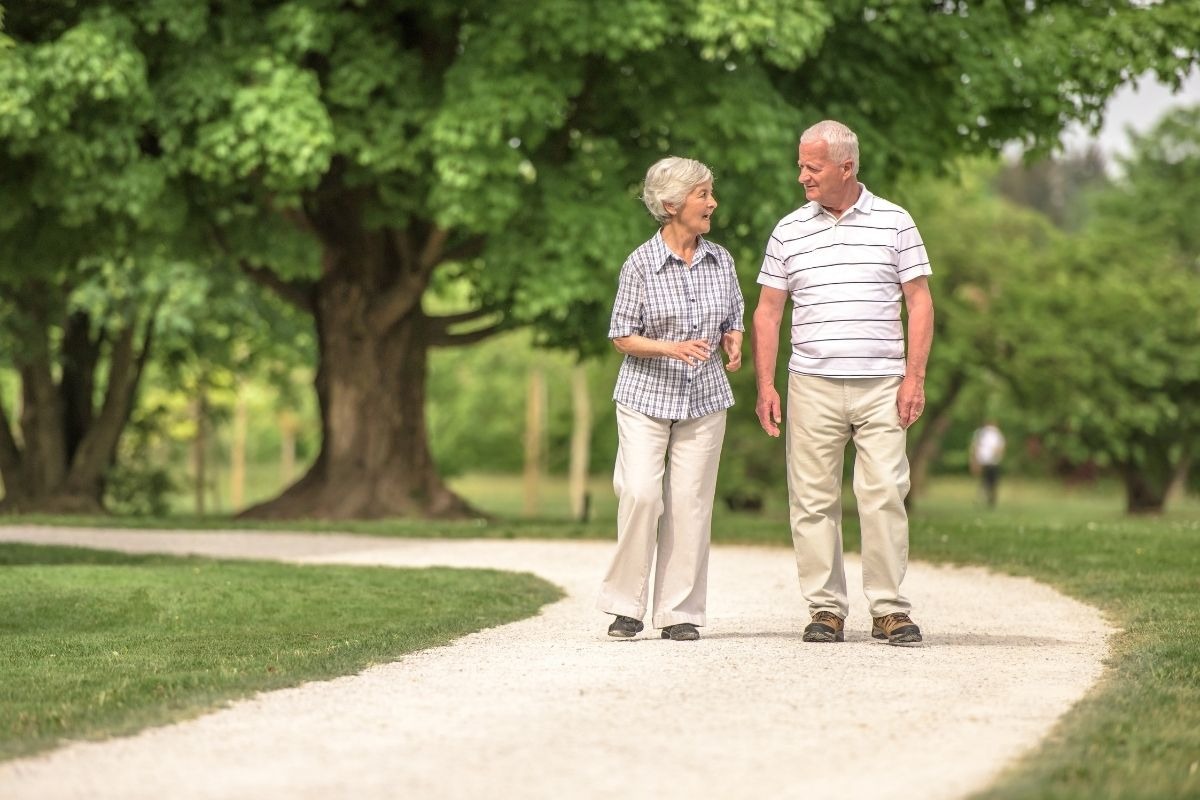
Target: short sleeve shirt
(660,297)
(844,277)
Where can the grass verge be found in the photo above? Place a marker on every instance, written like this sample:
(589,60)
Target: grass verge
(97,643)
(1138,734)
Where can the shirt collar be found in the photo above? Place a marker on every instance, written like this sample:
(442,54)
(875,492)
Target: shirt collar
(865,202)
(664,254)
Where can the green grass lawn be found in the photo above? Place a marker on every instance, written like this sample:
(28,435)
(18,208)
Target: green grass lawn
(96,643)
(1136,736)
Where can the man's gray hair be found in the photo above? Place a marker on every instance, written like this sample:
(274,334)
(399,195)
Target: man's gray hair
(843,142)
(670,180)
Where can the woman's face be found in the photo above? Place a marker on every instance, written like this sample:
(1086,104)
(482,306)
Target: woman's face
(696,213)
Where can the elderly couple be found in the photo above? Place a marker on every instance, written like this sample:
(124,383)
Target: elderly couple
(846,259)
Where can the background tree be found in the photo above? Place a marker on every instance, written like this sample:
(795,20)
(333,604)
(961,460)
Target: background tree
(354,156)
(1105,356)
(90,245)
(984,250)
(1055,186)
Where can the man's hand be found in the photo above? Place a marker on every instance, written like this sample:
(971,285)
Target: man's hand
(731,343)
(769,412)
(910,400)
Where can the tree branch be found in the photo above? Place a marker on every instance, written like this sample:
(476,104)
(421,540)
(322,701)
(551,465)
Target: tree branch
(402,297)
(467,248)
(405,294)
(297,217)
(431,253)
(97,450)
(298,293)
(447,339)
(403,245)
(444,322)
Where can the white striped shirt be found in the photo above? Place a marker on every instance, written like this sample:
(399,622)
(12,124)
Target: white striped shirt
(844,276)
(660,297)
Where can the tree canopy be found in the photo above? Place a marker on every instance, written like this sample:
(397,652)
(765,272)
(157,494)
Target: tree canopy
(354,156)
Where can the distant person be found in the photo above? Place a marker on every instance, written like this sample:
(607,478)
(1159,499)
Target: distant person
(847,260)
(678,305)
(987,450)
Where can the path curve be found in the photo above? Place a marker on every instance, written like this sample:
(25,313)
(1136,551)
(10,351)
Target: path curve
(549,707)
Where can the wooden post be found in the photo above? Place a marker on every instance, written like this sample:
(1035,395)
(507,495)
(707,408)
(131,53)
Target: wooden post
(535,421)
(237,455)
(200,447)
(287,447)
(581,439)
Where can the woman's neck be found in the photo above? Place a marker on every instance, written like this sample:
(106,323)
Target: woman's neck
(681,241)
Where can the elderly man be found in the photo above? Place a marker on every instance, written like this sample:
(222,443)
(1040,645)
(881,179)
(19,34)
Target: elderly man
(846,259)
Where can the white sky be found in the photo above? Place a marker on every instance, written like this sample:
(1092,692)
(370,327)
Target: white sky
(1138,108)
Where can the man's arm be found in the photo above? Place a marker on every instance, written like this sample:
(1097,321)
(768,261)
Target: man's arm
(767,317)
(910,400)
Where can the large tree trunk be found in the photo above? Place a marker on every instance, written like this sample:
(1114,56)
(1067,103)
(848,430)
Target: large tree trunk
(373,341)
(1147,480)
(374,460)
(1143,495)
(67,444)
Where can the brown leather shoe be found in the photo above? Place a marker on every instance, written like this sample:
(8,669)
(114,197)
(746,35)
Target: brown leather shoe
(896,629)
(825,627)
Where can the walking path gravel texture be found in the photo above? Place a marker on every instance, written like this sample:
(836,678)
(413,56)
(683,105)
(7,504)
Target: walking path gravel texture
(550,707)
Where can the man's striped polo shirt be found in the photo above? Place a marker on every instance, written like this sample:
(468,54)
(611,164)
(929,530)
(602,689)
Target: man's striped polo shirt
(844,276)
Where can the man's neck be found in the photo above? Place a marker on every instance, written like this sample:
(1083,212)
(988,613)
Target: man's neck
(849,198)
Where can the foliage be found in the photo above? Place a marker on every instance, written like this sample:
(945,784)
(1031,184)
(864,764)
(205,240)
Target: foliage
(1160,184)
(1105,355)
(343,152)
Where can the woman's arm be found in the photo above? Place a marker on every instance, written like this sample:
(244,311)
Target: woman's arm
(692,351)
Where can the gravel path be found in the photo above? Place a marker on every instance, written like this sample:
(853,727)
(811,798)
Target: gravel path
(550,707)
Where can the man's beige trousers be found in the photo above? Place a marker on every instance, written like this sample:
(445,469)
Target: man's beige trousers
(665,479)
(823,414)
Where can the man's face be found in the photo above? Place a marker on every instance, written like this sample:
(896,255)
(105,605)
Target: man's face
(823,179)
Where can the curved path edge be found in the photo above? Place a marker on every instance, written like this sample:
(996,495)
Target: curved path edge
(550,707)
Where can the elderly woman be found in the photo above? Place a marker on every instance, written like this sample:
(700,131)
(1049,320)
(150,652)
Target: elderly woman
(678,304)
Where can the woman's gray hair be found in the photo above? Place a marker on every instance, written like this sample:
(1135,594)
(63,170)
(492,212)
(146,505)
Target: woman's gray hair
(670,180)
(843,142)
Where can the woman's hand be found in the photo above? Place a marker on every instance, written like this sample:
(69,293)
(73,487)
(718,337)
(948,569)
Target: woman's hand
(731,343)
(691,352)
